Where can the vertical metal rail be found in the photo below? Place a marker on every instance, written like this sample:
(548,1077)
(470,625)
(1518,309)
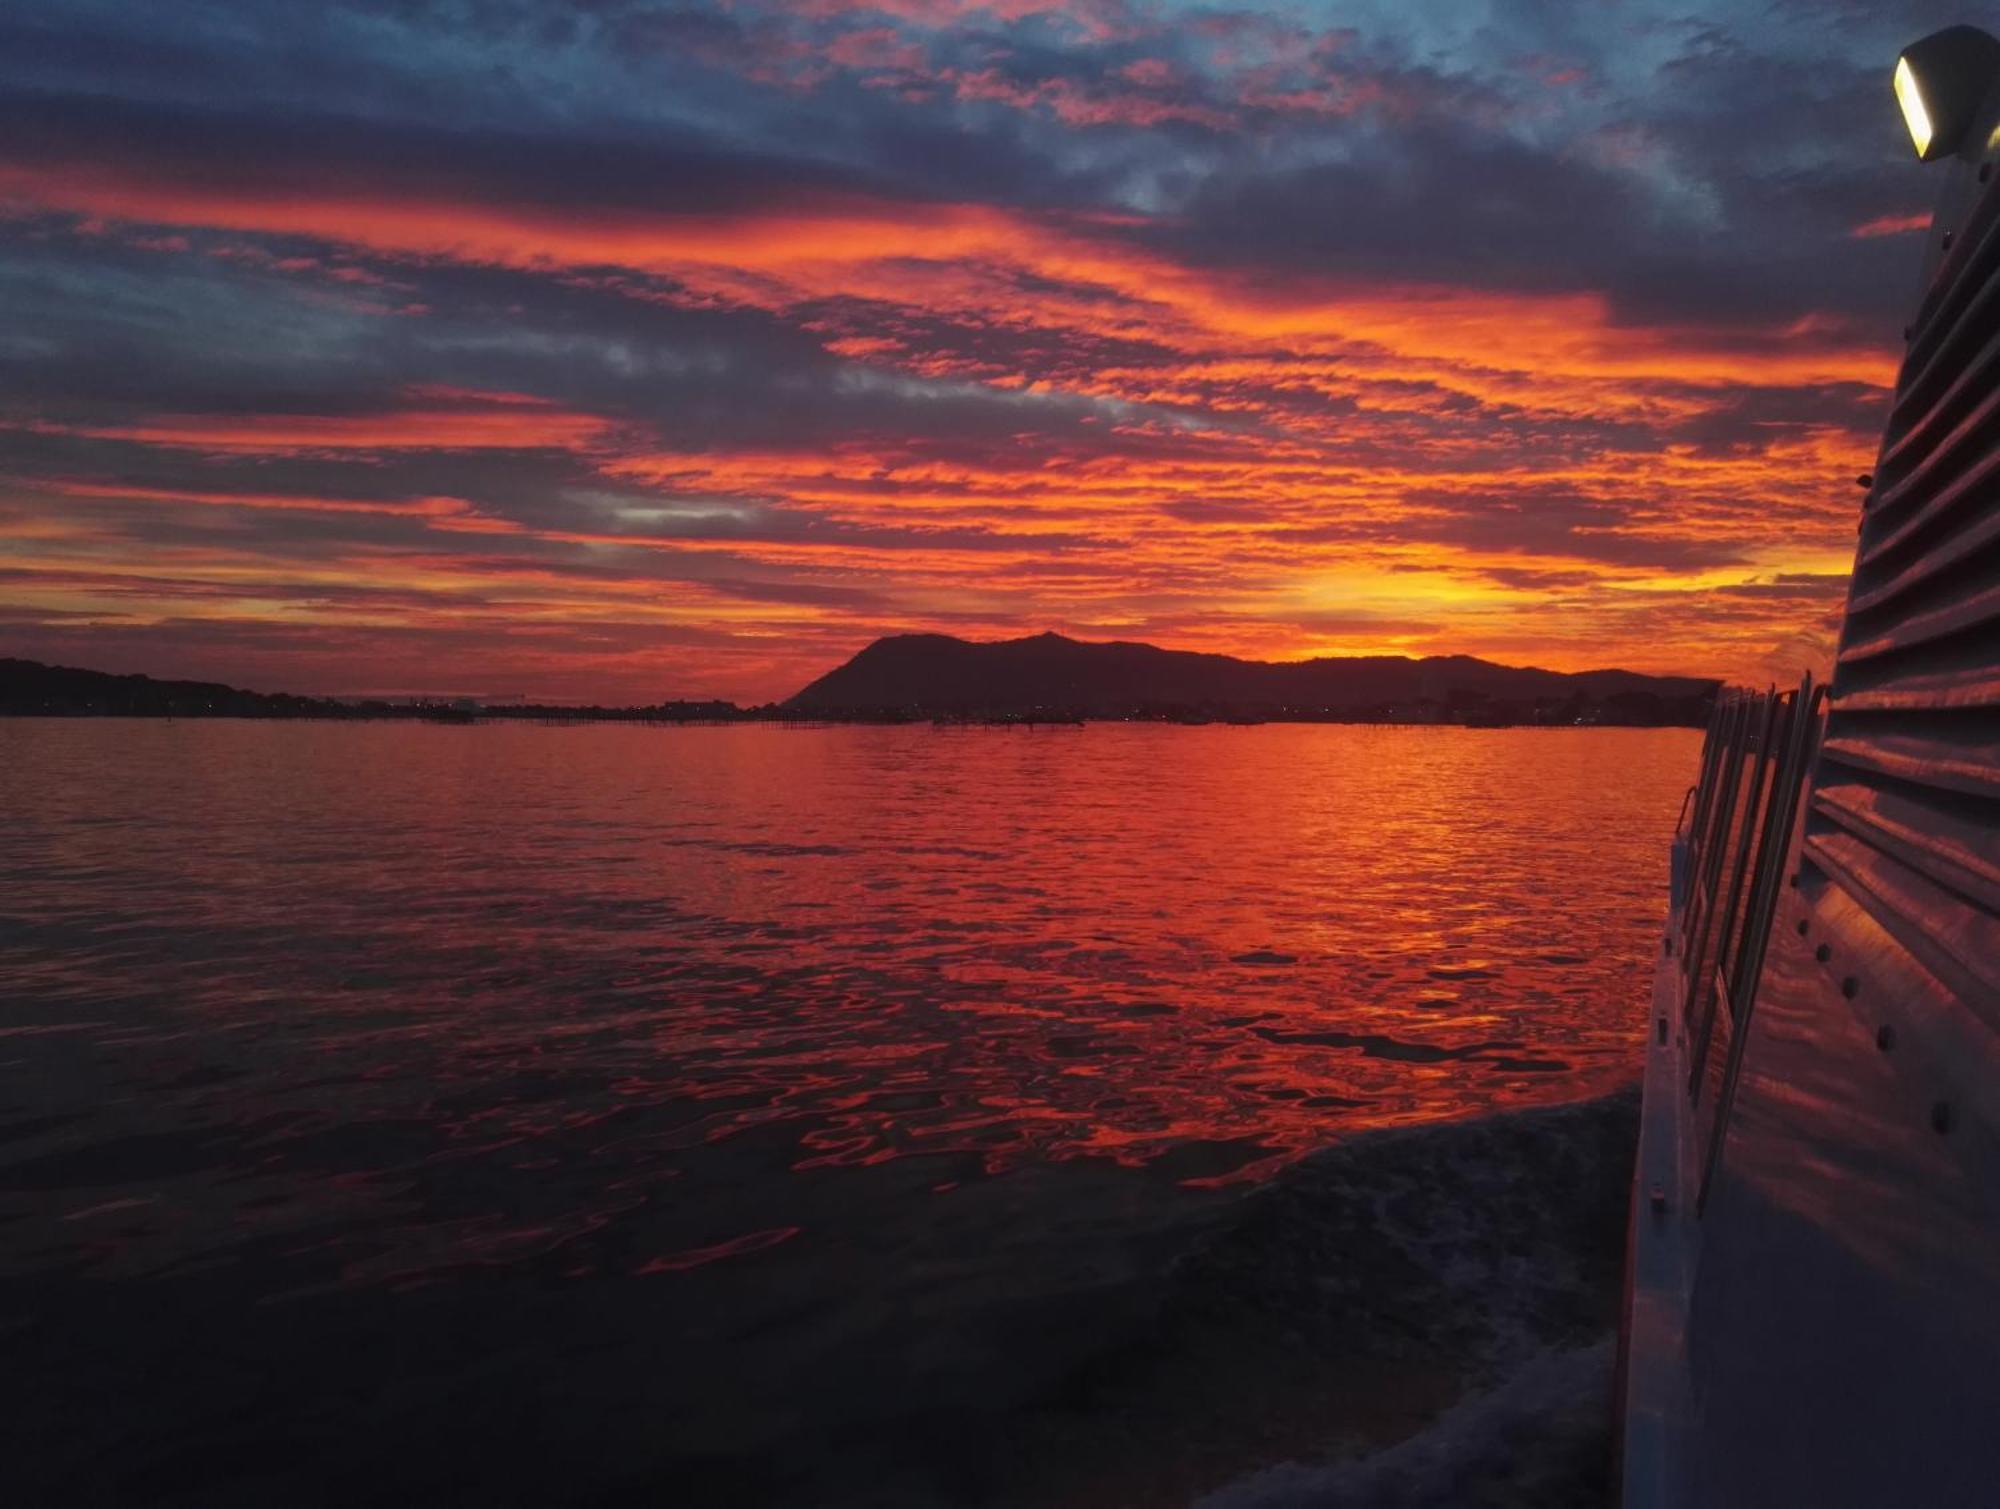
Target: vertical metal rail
(1711,769)
(1782,815)
(1725,710)
(1687,828)
(1711,761)
(1751,846)
(1714,846)
(1744,808)
(1705,783)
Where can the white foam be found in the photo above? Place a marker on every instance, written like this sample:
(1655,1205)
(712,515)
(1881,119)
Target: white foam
(1537,1437)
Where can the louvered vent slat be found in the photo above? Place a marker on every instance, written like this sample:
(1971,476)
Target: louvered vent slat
(1945,312)
(1966,491)
(1955,679)
(1968,768)
(1920,393)
(1928,472)
(1972,383)
(1904,813)
(1971,601)
(1878,582)
(1956,942)
(1922,832)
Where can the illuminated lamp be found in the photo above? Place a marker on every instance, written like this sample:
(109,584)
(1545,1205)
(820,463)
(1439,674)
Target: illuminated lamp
(1941,83)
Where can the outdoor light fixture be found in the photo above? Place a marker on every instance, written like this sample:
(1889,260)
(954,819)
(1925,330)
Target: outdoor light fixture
(1941,83)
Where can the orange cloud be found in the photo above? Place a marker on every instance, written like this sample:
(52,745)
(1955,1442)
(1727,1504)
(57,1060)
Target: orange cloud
(1270,468)
(1892,225)
(517,425)
(439,509)
(968,260)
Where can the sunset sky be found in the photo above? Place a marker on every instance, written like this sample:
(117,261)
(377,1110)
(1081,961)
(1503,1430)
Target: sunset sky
(602,349)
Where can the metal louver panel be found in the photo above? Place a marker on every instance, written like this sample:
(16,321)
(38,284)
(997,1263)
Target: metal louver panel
(1904,814)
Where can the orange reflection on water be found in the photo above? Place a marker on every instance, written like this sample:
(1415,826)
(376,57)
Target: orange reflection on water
(599,961)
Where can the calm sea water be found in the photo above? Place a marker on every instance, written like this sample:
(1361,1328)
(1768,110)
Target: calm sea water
(729,1114)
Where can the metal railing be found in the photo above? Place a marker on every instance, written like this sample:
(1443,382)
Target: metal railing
(1743,822)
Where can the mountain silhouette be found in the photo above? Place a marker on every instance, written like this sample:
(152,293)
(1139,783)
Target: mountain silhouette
(942,675)
(1049,676)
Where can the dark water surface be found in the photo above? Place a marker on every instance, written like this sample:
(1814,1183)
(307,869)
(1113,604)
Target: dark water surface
(759,1115)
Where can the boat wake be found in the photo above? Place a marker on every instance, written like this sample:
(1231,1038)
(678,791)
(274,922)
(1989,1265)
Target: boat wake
(1539,1437)
(1420,1316)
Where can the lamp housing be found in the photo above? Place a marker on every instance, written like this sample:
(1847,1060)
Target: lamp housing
(1941,83)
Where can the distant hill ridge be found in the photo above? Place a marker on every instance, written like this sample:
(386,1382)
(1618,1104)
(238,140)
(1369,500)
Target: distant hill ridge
(30,688)
(909,676)
(939,674)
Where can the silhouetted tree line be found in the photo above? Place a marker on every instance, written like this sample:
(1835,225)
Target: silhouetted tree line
(29,688)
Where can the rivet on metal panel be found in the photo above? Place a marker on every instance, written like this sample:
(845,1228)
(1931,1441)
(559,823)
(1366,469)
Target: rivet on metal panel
(1822,953)
(1803,925)
(1941,1118)
(1885,1037)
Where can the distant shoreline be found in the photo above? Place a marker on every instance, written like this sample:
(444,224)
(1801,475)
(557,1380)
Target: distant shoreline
(1047,698)
(570,718)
